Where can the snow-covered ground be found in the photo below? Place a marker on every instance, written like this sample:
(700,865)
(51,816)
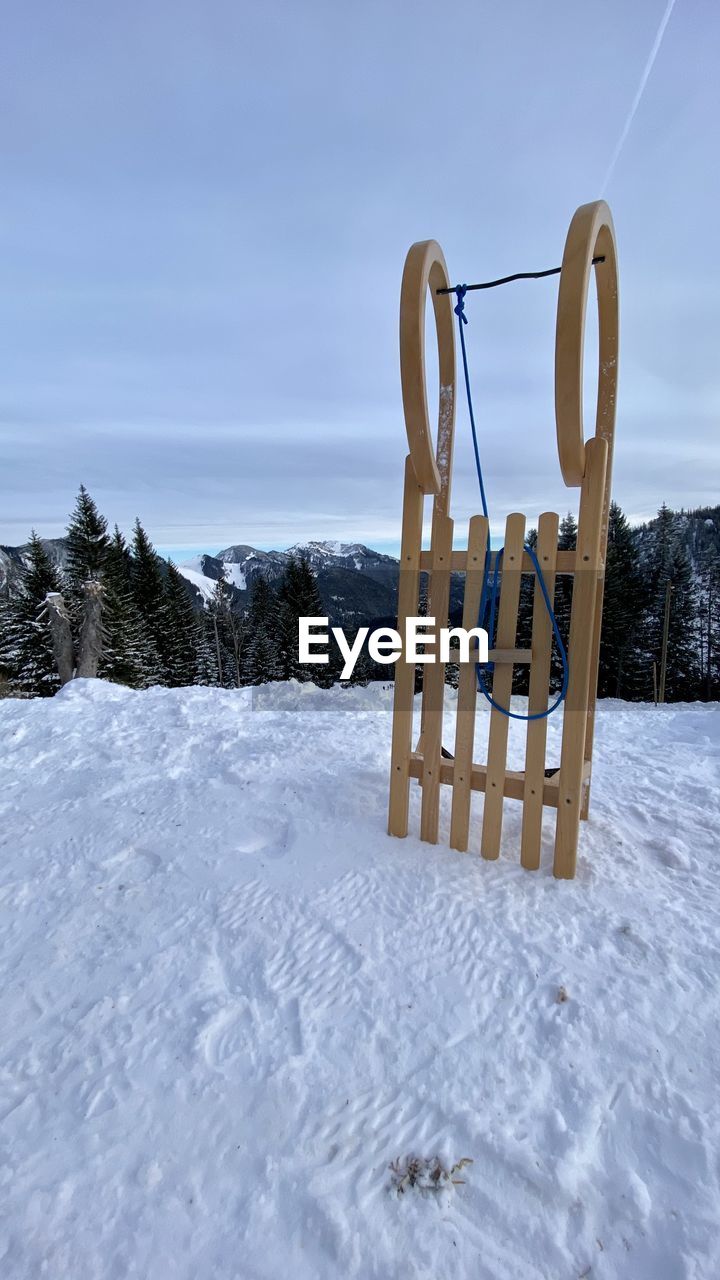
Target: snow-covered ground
(229,1001)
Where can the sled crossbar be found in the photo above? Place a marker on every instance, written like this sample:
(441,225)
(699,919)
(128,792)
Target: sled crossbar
(515,657)
(513,784)
(565,561)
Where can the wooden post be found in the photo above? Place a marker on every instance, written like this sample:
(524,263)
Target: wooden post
(572,762)
(433,693)
(467,690)
(542,640)
(404,690)
(502,686)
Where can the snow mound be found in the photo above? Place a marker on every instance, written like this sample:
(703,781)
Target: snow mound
(230,1002)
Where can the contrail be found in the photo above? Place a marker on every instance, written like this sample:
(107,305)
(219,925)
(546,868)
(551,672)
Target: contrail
(640,91)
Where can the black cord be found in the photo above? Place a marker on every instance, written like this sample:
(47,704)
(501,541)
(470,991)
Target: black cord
(519,275)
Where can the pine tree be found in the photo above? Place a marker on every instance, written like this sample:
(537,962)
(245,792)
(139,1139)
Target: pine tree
(180,631)
(382,673)
(260,660)
(288,612)
(659,546)
(619,665)
(363,671)
(667,563)
(310,598)
(311,606)
(206,664)
(148,589)
(709,611)
(8,641)
(119,557)
(130,655)
(87,542)
(299,597)
(682,680)
(261,657)
(146,575)
(452,675)
(28,655)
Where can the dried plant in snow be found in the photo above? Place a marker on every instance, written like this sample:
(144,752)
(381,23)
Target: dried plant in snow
(425,1175)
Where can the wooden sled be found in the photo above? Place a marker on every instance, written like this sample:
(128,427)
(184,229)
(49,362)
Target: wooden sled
(586,465)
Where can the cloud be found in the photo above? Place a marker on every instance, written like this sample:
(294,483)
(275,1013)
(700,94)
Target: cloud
(205,217)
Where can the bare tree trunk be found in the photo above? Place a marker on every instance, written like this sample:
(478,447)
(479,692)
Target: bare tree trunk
(61,636)
(217,649)
(91,631)
(238,635)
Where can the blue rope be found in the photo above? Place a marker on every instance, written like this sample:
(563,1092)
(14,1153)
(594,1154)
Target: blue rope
(490,591)
(462,320)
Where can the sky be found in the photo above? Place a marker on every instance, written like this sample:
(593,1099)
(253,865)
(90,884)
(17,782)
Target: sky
(205,213)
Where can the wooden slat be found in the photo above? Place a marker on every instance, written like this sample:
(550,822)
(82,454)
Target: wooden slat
(516,657)
(542,635)
(458,562)
(467,690)
(405,671)
(514,785)
(502,686)
(511,657)
(581,646)
(593,680)
(434,679)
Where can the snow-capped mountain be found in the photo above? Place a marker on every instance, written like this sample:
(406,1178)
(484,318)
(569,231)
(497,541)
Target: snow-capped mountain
(13,558)
(344,554)
(356,583)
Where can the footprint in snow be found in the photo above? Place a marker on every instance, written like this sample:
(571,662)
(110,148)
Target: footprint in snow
(260,838)
(131,865)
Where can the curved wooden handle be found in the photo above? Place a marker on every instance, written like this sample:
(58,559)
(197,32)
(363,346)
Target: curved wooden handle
(591,235)
(425,268)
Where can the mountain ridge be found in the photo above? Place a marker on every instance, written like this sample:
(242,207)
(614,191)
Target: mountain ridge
(358,585)
(355,582)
